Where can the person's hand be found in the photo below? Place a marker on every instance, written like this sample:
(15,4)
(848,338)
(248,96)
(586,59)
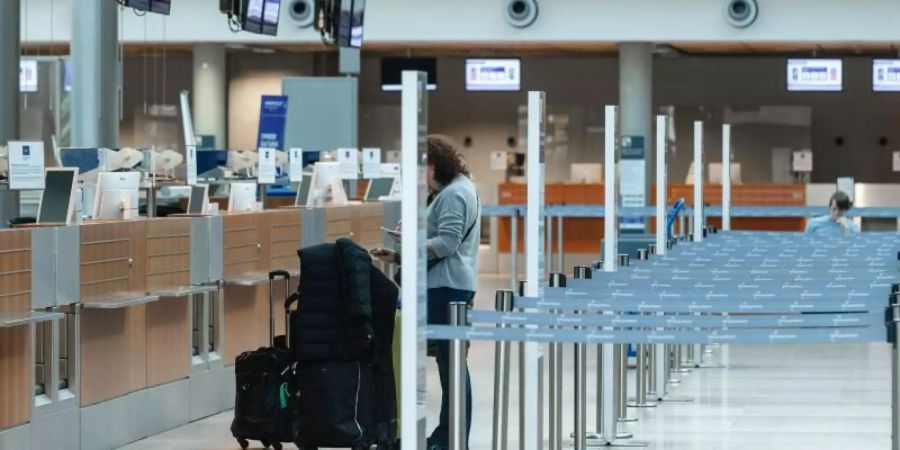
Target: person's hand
(384,254)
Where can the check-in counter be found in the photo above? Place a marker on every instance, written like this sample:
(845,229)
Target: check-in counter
(748,195)
(15,340)
(113,331)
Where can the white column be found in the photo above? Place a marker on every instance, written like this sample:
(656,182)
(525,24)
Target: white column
(611,194)
(610,257)
(9,70)
(209,93)
(698,181)
(726,177)
(661,181)
(414,127)
(95,61)
(534,264)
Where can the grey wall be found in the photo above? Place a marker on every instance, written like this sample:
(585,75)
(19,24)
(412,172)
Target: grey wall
(582,85)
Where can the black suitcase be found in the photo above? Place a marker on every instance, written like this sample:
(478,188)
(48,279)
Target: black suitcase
(264,378)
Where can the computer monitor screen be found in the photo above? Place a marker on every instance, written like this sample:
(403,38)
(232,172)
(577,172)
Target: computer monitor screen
(886,75)
(392,71)
(811,75)
(198,200)
(58,198)
(493,74)
(242,197)
(302,198)
(117,195)
(271,14)
(210,159)
(379,187)
(253,16)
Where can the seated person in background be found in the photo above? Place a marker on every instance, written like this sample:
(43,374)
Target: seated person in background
(836,222)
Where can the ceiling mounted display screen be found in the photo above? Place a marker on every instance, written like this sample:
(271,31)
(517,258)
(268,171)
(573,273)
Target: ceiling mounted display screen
(392,71)
(493,74)
(815,75)
(886,75)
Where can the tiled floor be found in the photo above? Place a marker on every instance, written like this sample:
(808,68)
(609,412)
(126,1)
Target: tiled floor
(768,398)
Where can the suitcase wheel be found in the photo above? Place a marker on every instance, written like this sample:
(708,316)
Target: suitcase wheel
(243,443)
(276,445)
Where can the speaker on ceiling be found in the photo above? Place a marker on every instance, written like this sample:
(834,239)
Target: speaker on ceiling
(741,13)
(302,12)
(521,13)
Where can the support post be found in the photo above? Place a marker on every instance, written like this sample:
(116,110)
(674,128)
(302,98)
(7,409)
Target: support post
(661,183)
(555,379)
(531,435)
(726,177)
(414,127)
(458,381)
(503,301)
(514,250)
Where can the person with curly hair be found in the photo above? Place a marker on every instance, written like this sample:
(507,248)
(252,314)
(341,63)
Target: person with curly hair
(453,237)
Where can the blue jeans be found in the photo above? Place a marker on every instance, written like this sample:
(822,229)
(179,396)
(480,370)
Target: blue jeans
(439,300)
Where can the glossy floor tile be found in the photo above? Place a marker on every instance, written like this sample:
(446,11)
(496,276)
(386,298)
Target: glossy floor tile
(787,397)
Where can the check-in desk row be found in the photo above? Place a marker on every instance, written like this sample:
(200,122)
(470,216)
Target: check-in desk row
(111,332)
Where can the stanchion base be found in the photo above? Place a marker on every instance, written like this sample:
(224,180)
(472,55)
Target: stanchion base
(599,441)
(642,405)
(710,366)
(674,400)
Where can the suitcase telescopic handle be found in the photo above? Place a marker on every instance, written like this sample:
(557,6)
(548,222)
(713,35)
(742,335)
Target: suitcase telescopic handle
(275,274)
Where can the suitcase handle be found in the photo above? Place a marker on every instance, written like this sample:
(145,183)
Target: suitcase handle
(273,275)
(279,274)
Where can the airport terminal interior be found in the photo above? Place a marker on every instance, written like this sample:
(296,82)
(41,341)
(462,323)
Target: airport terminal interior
(449,225)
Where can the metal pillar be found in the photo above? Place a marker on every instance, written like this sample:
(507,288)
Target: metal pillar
(557,280)
(514,250)
(458,435)
(580,391)
(503,301)
(560,254)
(96,89)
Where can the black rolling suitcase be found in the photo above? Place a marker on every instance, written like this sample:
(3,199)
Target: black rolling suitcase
(265,385)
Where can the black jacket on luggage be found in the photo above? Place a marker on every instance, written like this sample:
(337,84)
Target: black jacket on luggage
(341,335)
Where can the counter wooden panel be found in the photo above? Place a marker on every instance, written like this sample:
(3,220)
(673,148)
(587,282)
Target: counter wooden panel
(246,320)
(168,341)
(168,253)
(581,234)
(15,370)
(113,353)
(242,245)
(368,218)
(283,230)
(113,259)
(338,222)
(15,271)
(748,195)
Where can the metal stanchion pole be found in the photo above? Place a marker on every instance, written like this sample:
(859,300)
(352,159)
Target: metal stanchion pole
(641,369)
(560,254)
(548,224)
(893,325)
(503,302)
(522,393)
(622,369)
(458,381)
(514,250)
(557,280)
(580,415)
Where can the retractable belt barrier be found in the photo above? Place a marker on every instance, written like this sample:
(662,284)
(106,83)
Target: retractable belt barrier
(708,211)
(732,288)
